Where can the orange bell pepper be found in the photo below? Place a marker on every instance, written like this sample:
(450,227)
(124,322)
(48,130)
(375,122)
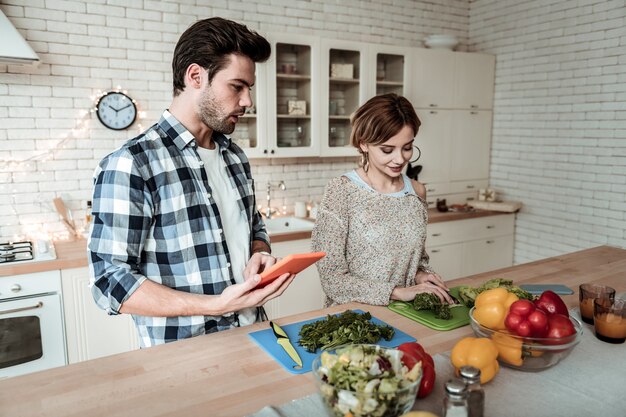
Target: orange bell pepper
(491,307)
(509,348)
(480,353)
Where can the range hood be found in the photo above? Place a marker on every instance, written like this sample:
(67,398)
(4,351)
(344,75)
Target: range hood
(13,48)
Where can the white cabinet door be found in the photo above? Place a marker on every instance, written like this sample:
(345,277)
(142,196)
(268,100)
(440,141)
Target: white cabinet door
(474,80)
(470,145)
(345,75)
(447,260)
(433,140)
(305,292)
(488,254)
(293,99)
(90,332)
(433,72)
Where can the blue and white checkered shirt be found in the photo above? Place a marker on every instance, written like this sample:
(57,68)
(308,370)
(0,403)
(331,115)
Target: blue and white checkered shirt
(155,218)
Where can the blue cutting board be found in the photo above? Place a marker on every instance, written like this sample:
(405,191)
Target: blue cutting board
(267,341)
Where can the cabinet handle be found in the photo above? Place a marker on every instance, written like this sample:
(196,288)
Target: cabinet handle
(490,242)
(433,112)
(430,203)
(469,199)
(469,186)
(265,151)
(432,105)
(272,152)
(473,112)
(436,234)
(491,227)
(435,251)
(474,106)
(430,189)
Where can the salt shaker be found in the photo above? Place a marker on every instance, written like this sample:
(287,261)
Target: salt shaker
(475,393)
(455,402)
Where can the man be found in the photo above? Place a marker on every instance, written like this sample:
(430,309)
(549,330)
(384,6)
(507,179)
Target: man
(177,240)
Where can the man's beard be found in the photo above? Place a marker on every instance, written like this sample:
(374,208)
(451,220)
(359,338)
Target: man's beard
(211,115)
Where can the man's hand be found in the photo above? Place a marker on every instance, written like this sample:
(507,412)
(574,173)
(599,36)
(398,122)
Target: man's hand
(257,263)
(244,295)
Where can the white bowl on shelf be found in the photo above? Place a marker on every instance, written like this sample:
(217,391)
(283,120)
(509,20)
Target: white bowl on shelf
(441,42)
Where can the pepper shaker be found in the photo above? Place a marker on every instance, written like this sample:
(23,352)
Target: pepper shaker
(475,393)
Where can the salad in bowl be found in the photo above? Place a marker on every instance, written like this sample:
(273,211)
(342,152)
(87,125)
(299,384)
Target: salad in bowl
(366,380)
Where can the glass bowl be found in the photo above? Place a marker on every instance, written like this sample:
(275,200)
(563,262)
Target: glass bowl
(537,353)
(349,383)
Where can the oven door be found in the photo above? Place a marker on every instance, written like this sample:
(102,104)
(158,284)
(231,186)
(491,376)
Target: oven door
(31,335)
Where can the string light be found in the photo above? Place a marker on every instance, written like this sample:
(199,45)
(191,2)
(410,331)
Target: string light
(21,168)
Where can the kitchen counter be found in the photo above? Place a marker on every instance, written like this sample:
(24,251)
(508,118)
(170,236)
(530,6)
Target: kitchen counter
(73,253)
(227,374)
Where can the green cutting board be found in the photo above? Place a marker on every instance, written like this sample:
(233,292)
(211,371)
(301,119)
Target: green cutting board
(460,314)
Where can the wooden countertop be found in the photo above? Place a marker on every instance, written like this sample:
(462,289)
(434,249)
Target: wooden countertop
(227,374)
(73,254)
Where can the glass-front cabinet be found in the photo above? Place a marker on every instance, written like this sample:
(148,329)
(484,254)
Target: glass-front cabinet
(390,69)
(284,120)
(344,89)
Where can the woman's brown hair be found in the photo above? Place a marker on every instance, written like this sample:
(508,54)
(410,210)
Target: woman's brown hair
(380,118)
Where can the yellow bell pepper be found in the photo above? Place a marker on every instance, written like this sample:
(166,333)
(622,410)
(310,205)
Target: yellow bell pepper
(491,307)
(509,348)
(480,353)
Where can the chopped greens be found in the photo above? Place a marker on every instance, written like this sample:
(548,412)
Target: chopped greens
(468,294)
(427,301)
(345,328)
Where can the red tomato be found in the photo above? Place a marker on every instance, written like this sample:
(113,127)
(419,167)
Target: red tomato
(538,321)
(522,307)
(416,353)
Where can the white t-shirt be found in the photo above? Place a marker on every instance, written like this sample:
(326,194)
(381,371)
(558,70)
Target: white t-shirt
(234,221)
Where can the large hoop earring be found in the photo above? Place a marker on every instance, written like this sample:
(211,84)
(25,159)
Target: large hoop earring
(419,154)
(365,162)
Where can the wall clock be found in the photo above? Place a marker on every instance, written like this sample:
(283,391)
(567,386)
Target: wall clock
(116,110)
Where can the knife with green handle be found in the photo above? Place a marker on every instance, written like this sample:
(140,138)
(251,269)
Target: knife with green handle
(283,340)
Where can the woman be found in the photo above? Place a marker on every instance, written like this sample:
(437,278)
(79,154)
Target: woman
(372,220)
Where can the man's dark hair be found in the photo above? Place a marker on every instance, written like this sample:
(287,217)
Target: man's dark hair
(209,42)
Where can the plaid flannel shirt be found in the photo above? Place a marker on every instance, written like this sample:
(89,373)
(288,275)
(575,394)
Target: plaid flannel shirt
(155,218)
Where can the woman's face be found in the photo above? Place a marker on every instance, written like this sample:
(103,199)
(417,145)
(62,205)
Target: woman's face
(389,158)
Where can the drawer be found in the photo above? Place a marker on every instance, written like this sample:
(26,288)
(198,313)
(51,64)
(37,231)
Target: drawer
(447,260)
(444,233)
(484,255)
(467,186)
(437,188)
(24,285)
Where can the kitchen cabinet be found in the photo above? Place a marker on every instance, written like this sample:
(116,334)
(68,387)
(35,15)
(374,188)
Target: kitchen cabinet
(471,246)
(452,80)
(433,86)
(344,88)
(469,157)
(90,332)
(305,292)
(474,75)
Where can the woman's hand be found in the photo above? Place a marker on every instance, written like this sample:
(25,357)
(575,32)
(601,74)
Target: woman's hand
(425,283)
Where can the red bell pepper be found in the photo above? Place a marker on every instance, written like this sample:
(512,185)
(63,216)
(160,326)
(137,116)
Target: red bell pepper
(560,325)
(525,320)
(551,303)
(416,353)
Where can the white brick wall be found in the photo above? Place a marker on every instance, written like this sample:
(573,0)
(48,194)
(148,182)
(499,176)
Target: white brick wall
(559,130)
(91,46)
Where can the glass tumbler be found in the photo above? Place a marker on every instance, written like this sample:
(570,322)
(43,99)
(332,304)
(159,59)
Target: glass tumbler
(587,294)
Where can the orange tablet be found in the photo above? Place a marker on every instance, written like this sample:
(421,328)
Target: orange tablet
(292,264)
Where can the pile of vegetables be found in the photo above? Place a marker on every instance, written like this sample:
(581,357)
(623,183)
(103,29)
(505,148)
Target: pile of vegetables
(545,319)
(467,294)
(345,328)
(428,301)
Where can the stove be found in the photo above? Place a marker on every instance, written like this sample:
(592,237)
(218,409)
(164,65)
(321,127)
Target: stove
(26,251)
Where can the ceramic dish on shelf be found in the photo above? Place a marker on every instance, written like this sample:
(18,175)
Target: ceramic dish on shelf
(441,42)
